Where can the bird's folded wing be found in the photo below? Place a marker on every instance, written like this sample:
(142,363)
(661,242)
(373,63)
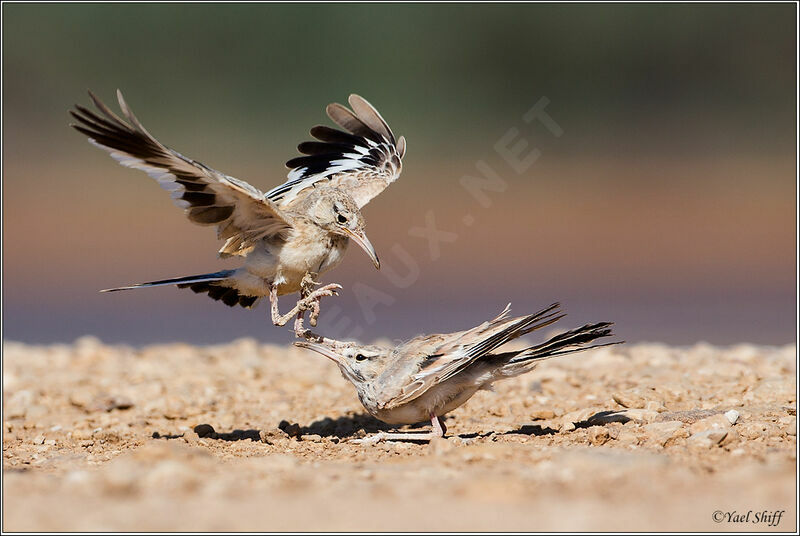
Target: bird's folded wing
(362,160)
(439,358)
(240,211)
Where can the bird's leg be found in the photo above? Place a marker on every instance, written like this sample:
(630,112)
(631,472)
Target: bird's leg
(298,324)
(277,318)
(306,286)
(313,314)
(436,432)
(439,428)
(301,331)
(307,289)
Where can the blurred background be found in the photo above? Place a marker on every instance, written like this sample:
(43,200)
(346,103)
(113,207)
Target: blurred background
(667,204)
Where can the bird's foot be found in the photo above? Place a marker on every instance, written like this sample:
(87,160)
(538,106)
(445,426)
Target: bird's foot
(398,436)
(299,330)
(311,302)
(307,303)
(328,290)
(371,440)
(438,430)
(307,284)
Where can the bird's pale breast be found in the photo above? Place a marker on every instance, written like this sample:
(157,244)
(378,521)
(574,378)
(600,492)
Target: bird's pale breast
(439,400)
(307,250)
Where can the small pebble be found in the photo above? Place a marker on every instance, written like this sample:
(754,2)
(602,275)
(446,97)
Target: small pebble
(642,415)
(439,446)
(732,416)
(628,400)
(598,435)
(715,422)
(204,430)
(81,434)
(271,437)
(290,429)
(574,417)
(731,437)
(663,433)
(655,405)
(706,439)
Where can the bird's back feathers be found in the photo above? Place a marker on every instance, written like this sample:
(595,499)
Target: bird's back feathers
(442,357)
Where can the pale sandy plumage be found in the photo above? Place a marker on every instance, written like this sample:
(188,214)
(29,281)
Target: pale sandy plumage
(299,228)
(431,375)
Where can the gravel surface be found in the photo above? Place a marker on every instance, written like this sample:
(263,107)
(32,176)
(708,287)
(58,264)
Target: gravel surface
(247,436)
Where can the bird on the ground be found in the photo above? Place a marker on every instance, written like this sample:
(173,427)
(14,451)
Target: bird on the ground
(431,375)
(287,236)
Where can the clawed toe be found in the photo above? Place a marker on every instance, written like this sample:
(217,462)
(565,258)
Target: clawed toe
(309,301)
(371,440)
(397,436)
(333,287)
(322,292)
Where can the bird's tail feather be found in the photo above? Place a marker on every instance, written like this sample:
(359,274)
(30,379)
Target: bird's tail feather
(575,340)
(187,280)
(214,284)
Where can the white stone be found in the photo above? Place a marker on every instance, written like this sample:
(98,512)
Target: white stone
(732,416)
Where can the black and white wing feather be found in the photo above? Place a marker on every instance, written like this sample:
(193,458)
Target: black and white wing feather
(363,159)
(444,356)
(240,211)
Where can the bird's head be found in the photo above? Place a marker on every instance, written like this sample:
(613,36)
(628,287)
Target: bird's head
(337,212)
(359,363)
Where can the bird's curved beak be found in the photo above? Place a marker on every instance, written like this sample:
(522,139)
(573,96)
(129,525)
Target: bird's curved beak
(362,240)
(320,349)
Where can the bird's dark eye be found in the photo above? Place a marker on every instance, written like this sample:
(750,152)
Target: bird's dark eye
(341,219)
(360,357)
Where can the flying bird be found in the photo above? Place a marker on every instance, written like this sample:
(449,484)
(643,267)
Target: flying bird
(285,237)
(431,375)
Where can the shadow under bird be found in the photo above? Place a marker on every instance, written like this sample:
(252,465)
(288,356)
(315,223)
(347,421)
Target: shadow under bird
(431,375)
(287,236)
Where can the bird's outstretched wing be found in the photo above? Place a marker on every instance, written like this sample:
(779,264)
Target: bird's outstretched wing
(362,161)
(240,211)
(440,357)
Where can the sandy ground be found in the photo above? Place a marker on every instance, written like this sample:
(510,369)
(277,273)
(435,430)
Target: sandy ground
(632,437)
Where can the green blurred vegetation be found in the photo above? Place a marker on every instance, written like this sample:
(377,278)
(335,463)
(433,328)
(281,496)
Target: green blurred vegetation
(624,77)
